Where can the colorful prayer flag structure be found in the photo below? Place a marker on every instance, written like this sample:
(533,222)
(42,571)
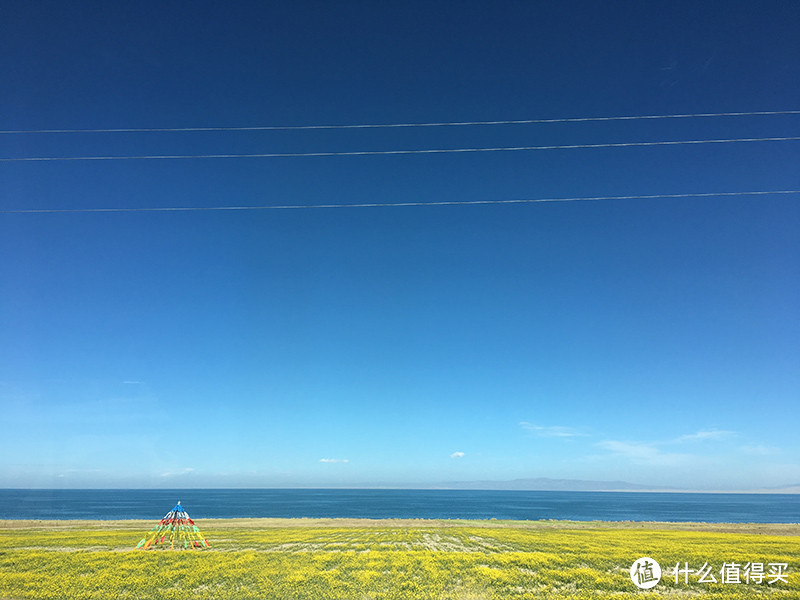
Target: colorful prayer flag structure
(176,531)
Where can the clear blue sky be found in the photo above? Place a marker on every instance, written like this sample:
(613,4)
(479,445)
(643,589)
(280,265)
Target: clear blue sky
(652,341)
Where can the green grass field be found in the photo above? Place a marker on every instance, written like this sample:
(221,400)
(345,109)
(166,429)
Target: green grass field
(359,560)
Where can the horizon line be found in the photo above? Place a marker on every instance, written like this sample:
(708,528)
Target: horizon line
(783,490)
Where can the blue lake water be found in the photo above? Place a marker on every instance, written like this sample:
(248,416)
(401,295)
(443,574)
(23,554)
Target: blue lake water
(405,504)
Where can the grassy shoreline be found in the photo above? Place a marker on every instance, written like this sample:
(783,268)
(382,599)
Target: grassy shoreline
(781,529)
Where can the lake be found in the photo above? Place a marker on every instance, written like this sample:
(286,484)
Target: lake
(402,504)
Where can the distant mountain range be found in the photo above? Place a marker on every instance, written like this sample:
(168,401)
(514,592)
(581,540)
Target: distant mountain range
(582,485)
(784,489)
(547,484)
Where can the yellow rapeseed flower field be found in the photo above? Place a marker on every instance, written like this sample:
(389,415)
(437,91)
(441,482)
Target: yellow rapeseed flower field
(329,559)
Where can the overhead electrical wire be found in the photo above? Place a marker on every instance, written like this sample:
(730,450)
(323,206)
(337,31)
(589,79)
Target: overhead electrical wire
(401,152)
(397,204)
(397,125)
(397,152)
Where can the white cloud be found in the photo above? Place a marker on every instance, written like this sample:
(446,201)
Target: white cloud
(708,434)
(457,455)
(333,460)
(551,431)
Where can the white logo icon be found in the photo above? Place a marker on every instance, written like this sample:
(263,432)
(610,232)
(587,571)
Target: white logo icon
(645,573)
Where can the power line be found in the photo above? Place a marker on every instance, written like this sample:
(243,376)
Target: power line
(397,152)
(397,204)
(396,125)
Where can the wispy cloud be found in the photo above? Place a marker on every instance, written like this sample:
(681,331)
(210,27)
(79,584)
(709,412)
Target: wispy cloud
(551,430)
(657,453)
(643,453)
(637,450)
(758,450)
(179,472)
(707,434)
(333,460)
(457,455)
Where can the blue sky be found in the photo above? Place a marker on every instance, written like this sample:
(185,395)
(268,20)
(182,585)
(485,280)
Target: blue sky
(652,341)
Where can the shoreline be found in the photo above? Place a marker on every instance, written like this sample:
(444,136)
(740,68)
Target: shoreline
(780,529)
